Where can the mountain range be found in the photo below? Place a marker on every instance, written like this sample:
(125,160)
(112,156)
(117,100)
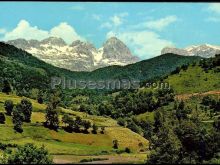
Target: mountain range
(78,56)
(24,71)
(205,50)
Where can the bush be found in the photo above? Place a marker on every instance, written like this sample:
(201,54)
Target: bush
(92,159)
(86,125)
(3,146)
(40,100)
(8,107)
(127,150)
(94,129)
(102,130)
(26,109)
(121,121)
(115,144)
(30,154)
(206,100)
(2,118)
(52,117)
(17,118)
(6,87)
(120,151)
(133,126)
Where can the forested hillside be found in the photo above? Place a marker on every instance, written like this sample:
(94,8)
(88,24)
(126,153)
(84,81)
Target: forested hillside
(25,72)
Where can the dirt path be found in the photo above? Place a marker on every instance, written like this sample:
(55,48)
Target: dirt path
(109,159)
(188,96)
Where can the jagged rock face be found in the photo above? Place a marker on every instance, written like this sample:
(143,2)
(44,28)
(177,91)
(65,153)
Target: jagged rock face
(78,56)
(54,41)
(20,43)
(114,48)
(174,51)
(205,50)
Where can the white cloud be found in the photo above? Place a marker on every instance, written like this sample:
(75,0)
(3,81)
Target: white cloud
(114,21)
(145,44)
(66,32)
(214,7)
(161,23)
(2,31)
(111,34)
(26,31)
(106,25)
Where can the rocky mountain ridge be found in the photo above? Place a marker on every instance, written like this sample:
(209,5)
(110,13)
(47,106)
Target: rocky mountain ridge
(205,50)
(78,56)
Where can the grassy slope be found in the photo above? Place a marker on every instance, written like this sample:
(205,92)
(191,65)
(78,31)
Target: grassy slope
(62,142)
(193,80)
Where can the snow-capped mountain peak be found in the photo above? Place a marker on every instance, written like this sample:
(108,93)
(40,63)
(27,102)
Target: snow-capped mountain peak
(78,56)
(204,50)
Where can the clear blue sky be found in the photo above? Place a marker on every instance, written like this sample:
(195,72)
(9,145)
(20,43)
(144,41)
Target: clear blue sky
(145,27)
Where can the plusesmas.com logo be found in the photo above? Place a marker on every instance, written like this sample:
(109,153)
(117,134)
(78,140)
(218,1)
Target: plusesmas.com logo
(67,83)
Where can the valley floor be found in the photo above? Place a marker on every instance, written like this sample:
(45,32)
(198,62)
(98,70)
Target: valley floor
(105,159)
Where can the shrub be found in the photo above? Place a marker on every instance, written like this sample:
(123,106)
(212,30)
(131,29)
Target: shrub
(94,129)
(26,109)
(2,118)
(102,130)
(3,146)
(40,100)
(8,107)
(92,159)
(30,154)
(121,122)
(115,144)
(17,118)
(6,87)
(127,150)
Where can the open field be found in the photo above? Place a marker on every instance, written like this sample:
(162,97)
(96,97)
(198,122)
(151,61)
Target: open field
(61,143)
(105,159)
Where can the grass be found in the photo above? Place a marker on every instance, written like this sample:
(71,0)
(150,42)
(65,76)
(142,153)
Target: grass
(194,79)
(98,120)
(126,137)
(17,99)
(64,143)
(113,159)
(147,116)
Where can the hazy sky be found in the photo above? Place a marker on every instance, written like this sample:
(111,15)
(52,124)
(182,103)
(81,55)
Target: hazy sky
(145,27)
